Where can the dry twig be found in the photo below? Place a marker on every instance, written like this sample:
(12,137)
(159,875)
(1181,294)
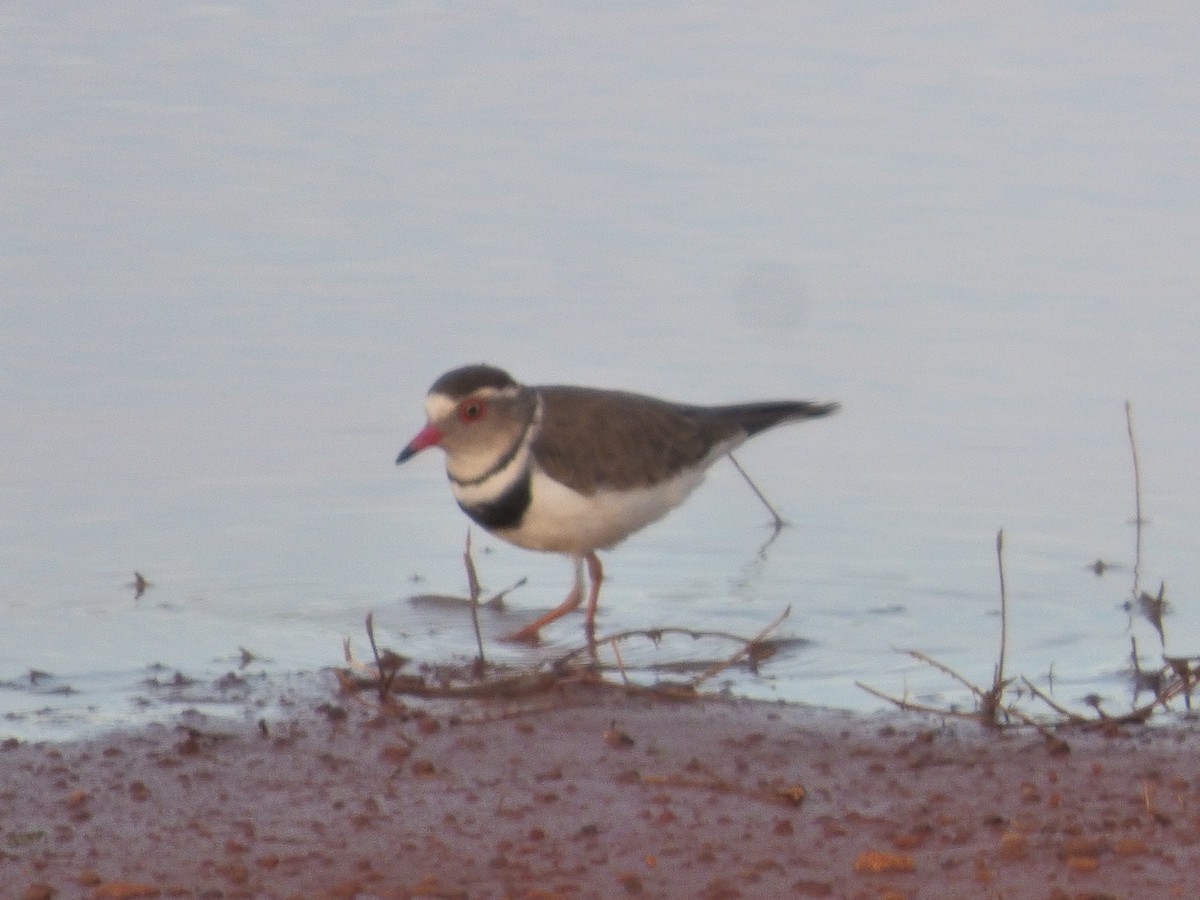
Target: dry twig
(473,587)
(616,649)
(1138,520)
(776,518)
(746,650)
(387,664)
(990,701)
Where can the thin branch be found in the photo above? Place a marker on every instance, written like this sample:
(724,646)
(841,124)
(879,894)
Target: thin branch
(473,586)
(745,650)
(991,701)
(1138,520)
(654,635)
(1183,672)
(1074,718)
(370,624)
(386,672)
(616,648)
(1003,610)
(497,599)
(1057,745)
(776,518)
(910,706)
(945,669)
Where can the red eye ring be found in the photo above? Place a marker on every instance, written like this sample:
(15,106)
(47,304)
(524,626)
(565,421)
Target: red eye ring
(472,409)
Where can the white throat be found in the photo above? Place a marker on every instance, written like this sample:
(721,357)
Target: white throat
(469,466)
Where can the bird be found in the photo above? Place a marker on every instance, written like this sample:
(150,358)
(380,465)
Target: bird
(574,470)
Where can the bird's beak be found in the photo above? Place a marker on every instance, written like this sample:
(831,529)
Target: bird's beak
(426,437)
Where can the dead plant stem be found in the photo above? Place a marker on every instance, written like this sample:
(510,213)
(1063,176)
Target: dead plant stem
(473,587)
(745,650)
(777,519)
(616,648)
(1138,521)
(998,681)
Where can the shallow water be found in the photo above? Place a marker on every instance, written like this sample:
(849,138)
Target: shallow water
(238,243)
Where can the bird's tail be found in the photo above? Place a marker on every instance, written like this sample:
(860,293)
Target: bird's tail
(756,417)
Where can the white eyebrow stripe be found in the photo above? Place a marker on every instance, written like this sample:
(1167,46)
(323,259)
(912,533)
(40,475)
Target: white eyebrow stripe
(490,392)
(438,406)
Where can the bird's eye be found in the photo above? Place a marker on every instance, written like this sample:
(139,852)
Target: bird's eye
(471,410)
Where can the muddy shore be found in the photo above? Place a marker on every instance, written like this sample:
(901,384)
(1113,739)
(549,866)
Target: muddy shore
(592,792)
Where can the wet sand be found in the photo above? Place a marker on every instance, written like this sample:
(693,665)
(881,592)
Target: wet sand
(593,792)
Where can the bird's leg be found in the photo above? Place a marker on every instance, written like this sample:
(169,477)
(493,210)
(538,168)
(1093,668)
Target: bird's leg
(529,633)
(595,576)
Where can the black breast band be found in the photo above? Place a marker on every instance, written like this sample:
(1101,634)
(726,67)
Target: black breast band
(507,510)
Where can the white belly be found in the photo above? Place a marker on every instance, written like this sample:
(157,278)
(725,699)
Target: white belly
(564,521)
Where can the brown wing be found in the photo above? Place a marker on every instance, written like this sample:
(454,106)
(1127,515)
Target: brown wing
(593,439)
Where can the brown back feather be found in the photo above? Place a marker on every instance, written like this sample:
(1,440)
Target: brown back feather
(592,439)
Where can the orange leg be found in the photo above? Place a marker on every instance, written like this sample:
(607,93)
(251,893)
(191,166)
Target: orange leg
(529,633)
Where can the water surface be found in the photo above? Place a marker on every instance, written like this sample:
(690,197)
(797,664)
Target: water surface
(239,242)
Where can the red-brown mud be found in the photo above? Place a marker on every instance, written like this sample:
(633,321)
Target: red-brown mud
(591,792)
